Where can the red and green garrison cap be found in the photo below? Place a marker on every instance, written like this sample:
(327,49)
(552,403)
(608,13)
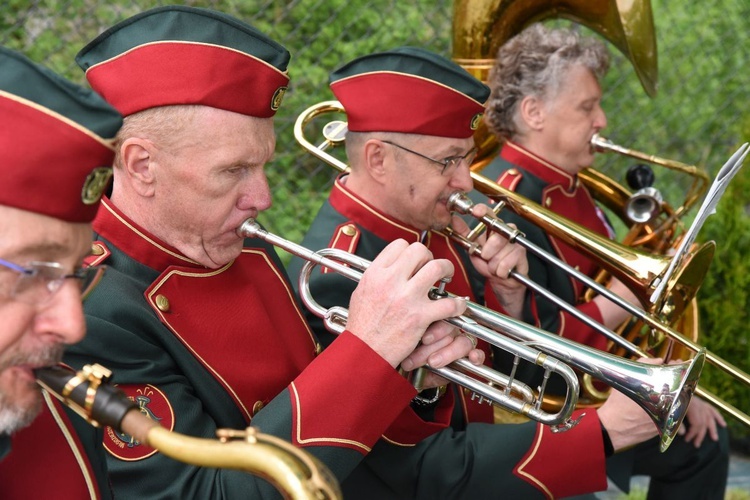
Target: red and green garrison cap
(184,55)
(409,90)
(55,141)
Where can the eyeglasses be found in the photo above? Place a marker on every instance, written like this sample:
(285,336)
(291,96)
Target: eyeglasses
(40,281)
(449,163)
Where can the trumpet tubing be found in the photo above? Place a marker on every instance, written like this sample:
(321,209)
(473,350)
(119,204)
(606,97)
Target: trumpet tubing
(662,391)
(294,472)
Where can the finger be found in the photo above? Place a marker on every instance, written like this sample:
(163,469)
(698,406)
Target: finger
(713,432)
(420,355)
(459,348)
(459,225)
(390,253)
(437,331)
(476,356)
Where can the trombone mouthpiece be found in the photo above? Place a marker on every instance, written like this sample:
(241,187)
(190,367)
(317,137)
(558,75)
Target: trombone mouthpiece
(248,229)
(459,202)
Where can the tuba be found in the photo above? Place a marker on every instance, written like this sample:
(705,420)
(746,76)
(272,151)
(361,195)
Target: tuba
(480,28)
(296,474)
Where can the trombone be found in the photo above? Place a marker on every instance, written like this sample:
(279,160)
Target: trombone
(295,473)
(638,270)
(663,391)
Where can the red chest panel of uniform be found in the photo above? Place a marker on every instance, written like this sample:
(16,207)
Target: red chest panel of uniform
(47,460)
(240,322)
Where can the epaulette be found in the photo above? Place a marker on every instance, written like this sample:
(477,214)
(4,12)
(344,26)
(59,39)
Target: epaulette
(346,238)
(99,253)
(510,178)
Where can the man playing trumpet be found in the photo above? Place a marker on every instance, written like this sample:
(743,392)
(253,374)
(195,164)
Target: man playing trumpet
(411,117)
(201,327)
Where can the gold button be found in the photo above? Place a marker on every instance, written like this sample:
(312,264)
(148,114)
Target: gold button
(349,230)
(162,303)
(257,407)
(548,202)
(97,249)
(513,171)
(318,348)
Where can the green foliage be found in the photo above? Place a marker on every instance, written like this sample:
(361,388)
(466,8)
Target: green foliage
(724,299)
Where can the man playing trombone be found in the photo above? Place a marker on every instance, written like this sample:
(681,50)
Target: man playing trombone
(545,108)
(411,116)
(56,150)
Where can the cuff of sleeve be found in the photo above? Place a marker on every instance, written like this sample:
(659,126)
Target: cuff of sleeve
(409,428)
(347,397)
(554,458)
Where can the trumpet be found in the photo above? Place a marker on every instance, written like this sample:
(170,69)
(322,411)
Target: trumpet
(664,392)
(295,473)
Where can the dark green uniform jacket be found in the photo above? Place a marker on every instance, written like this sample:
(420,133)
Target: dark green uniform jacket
(479,460)
(200,349)
(683,471)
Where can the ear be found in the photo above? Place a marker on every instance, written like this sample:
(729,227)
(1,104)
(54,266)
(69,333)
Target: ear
(375,156)
(137,162)
(531,110)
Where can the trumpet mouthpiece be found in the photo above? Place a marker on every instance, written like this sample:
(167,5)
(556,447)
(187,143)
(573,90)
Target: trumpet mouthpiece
(459,202)
(249,229)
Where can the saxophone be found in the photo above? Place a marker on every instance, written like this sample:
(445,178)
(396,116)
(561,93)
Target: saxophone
(295,473)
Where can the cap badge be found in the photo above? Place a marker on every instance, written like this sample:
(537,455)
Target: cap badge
(95,184)
(277,97)
(475,121)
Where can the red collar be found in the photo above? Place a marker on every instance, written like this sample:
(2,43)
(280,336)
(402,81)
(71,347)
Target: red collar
(370,218)
(537,166)
(135,241)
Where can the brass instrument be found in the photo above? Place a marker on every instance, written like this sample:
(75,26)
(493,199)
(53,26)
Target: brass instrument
(294,472)
(616,199)
(481,27)
(663,391)
(635,268)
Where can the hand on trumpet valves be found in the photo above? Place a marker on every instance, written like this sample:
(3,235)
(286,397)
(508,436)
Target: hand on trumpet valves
(627,423)
(442,344)
(390,310)
(497,259)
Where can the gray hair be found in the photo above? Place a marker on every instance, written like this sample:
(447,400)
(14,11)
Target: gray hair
(535,63)
(162,125)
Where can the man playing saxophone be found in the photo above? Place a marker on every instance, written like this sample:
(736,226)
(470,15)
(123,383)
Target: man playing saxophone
(545,107)
(411,117)
(56,150)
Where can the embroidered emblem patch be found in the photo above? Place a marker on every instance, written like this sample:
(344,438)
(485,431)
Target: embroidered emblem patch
(154,404)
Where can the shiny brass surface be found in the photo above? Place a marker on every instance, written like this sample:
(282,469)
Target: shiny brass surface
(663,391)
(481,27)
(295,473)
